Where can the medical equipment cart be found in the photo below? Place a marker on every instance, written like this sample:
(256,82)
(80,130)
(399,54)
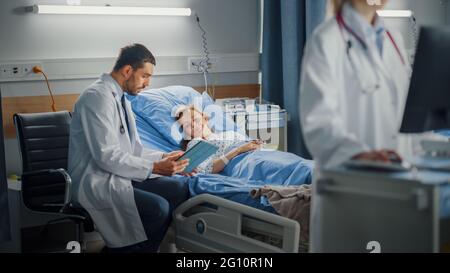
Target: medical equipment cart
(394,211)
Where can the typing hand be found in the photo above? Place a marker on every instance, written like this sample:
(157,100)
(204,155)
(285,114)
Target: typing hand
(169,165)
(380,155)
(393,156)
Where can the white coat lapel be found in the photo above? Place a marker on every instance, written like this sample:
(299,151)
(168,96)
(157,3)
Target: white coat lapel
(367,33)
(131,122)
(122,118)
(118,93)
(380,60)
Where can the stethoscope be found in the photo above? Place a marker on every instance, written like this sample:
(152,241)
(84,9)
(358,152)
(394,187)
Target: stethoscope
(366,89)
(121,128)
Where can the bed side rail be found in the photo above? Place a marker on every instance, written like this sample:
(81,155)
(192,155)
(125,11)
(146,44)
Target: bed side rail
(207,223)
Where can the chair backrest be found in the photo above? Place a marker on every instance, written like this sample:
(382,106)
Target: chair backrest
(44,144)
(43,139)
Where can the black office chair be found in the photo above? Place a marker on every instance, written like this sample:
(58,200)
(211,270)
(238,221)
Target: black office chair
(44,144)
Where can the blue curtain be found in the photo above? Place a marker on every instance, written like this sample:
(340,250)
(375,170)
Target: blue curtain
(4,211)
(286,26)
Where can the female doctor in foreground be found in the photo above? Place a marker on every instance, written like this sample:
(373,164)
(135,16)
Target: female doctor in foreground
(353,88)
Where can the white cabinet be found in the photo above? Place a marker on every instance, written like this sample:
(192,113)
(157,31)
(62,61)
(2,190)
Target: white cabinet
(269,126)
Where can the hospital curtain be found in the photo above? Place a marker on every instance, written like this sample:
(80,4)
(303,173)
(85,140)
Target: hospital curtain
(286,26)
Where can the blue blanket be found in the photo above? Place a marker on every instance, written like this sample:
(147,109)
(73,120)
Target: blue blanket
(254,170)
(271,167)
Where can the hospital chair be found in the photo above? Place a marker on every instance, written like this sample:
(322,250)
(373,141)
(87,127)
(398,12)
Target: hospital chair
(44,140)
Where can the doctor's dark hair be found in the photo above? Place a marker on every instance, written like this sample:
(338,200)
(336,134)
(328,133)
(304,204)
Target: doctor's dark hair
(135,55)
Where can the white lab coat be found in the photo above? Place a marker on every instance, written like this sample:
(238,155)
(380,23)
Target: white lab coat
(338,119)
(103,162)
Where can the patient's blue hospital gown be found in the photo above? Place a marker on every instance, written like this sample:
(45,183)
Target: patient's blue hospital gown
(268,166)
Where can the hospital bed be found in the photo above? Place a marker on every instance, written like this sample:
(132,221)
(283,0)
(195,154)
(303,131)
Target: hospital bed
(206,222)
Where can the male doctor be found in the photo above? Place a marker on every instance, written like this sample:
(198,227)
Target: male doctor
(120,183)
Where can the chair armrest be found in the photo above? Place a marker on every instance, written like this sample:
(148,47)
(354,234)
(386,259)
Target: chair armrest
(60,174)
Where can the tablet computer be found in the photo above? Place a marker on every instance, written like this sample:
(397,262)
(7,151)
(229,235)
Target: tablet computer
(197,154)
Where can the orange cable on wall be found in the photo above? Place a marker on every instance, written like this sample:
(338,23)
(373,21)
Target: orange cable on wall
(37,70)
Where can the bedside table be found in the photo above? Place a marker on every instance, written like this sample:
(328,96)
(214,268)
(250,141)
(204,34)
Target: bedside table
(269,126)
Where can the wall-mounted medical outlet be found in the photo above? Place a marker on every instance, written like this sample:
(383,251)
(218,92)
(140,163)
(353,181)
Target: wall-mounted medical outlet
(11,71)
(195,64)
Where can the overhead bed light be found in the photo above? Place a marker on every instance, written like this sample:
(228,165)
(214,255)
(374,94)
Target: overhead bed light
(108,10)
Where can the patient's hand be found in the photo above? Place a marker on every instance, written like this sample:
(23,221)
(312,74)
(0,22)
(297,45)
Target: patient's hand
(193,173)
(250,146)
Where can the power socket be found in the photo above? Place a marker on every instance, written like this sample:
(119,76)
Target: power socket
(195,63)
(11,71)
(6,71)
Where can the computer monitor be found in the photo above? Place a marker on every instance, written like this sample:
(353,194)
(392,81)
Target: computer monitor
(4,211)
(428,103)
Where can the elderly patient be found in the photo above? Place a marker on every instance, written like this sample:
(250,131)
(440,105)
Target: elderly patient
(233,147)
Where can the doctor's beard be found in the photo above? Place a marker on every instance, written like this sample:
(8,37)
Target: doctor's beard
(131,87)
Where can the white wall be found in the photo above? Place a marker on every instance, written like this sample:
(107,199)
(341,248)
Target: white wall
(232,28)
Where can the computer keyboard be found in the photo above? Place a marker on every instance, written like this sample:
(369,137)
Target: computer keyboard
(378,165)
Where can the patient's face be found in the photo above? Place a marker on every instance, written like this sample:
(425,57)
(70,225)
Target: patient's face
(139,79)
(192,123)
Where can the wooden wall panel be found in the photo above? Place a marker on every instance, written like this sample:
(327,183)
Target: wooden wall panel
(37,104)
(32,104)
(231,91)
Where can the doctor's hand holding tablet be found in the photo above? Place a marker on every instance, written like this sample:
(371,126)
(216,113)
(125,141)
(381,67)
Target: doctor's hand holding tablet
(170,165)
